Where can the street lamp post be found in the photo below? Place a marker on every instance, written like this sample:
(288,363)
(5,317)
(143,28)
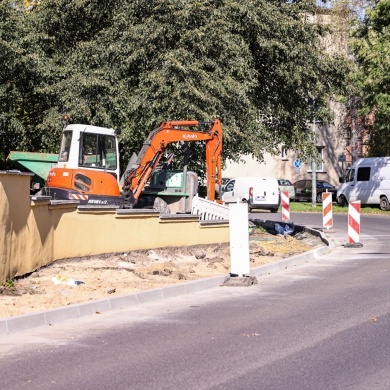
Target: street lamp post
(314,173)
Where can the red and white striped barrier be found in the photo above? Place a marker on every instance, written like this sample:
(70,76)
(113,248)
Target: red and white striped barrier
(285,206)
(354,224)
(327,210)
(78,196)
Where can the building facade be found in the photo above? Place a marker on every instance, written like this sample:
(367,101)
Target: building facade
(288,164)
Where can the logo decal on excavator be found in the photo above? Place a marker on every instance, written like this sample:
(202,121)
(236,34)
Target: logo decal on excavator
(190,136)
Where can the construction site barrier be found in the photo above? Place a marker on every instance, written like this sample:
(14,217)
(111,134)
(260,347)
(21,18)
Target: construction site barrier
(285,206)
(327,210)
(354,224)
(209,210)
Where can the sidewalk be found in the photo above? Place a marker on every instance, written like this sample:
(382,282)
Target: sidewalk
(58,315)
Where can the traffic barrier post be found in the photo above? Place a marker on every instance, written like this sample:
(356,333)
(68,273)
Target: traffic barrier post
(239,247)
(285,206)
(327,210)
(354,225)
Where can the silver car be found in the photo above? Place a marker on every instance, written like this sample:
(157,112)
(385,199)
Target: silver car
(286,185)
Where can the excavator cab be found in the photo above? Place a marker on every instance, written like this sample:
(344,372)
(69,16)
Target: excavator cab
(88,166)
(89,147)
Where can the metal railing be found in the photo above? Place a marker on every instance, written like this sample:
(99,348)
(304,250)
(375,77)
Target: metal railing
(209,210)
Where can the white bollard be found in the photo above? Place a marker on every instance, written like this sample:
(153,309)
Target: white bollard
(239,239)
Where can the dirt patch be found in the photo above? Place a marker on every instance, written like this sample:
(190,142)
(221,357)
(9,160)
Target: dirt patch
(70,281)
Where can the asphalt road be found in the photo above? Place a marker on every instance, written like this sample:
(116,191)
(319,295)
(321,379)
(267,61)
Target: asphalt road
(322,325)
(371,225)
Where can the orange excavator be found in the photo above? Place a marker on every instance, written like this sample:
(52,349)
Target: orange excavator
(88,168)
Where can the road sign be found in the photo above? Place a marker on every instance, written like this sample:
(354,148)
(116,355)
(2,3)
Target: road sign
(342,158)
(297,163)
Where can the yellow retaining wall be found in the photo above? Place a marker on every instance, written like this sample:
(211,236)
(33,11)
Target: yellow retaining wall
(35,233)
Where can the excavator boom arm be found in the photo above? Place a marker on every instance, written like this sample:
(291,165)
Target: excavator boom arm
(177,131)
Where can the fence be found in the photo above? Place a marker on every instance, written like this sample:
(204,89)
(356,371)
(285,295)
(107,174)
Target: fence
(36,233)
(209,210)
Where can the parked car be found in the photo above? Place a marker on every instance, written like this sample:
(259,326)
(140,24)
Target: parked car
(303,190)
(286,185)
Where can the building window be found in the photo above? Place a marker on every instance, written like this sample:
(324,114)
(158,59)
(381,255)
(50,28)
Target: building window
(283,152)
(320,163)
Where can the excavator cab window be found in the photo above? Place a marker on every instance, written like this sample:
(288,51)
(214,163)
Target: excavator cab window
(97,151)
(65,146)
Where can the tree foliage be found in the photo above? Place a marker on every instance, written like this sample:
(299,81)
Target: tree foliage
(371,47)
(134,64)
(15,79)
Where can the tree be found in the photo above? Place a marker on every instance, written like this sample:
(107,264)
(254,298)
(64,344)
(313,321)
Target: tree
(371,47)
(36,66)
(133,64)
(13,80)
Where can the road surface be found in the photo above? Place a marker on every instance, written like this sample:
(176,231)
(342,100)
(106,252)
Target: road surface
(322,325)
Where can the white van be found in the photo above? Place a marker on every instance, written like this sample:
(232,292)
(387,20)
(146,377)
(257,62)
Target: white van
(368,180)
(259,192)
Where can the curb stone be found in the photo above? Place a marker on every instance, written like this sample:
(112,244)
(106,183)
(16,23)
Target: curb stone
(80,310)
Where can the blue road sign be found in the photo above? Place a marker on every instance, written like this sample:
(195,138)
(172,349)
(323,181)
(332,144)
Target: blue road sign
(297,163)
